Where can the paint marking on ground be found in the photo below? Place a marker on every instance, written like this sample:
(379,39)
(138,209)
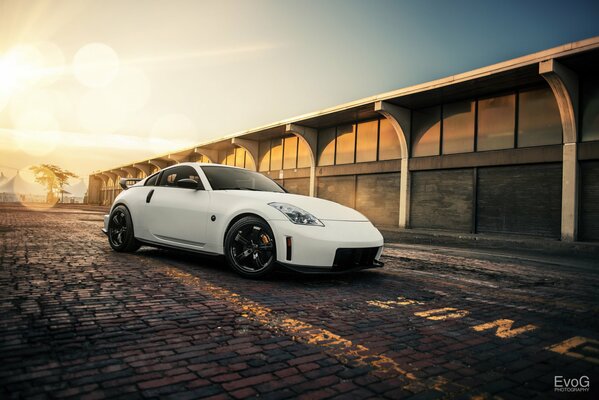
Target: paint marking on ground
(504,328)
(336,346)
(442,314)
(390,304)
(578,347)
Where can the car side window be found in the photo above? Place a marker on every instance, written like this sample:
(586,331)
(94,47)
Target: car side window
(171,176)
(152,180)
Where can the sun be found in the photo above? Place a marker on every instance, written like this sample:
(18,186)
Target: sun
(20,67)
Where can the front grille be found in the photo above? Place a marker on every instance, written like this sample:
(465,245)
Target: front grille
(356,257)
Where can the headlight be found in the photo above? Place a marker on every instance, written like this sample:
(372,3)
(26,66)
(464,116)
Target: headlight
(296,214)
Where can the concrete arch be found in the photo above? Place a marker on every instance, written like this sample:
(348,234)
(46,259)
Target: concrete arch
(212,155)
(250,146)
(145,168)
(400,120)
(160,164)
(310,137)
(564,85)
(130,171)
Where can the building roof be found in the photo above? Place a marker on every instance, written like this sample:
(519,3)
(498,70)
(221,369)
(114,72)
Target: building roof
(505,75)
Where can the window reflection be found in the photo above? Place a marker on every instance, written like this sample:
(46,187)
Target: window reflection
(458,127)
(264,155)
(590,110)
(290,156)
(426,132)
(366,141)
(346,141)
(326,147)
(304,159)
(276,155)
(240,155)
(496,123)
(389,147)
(539,121)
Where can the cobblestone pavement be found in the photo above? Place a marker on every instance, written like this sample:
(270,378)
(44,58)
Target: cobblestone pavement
(79,320)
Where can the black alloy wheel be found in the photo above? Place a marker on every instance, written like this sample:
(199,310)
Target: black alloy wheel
(250,247)
(120,231)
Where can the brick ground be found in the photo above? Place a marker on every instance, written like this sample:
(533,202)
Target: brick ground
(81,321)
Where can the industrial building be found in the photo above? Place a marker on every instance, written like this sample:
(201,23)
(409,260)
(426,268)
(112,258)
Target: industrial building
(512,148)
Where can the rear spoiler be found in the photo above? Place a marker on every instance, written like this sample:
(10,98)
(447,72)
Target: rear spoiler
(127,182)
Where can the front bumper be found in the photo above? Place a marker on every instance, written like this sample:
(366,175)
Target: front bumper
(339,246)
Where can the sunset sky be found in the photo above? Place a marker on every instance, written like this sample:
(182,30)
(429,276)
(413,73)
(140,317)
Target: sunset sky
(89,85)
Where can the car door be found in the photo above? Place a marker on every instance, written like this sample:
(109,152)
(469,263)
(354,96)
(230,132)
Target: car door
(178,216)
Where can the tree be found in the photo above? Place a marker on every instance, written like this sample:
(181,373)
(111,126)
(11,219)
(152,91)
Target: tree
(52,177)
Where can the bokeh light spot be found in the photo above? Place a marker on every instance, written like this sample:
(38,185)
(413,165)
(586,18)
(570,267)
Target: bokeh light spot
(96,65)
(99,113)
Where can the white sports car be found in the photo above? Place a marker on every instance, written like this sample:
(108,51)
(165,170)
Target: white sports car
(243,215)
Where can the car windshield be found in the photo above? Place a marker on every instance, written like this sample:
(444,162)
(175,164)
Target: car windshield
(223,178)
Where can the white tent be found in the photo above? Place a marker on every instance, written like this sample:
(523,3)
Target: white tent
(18,189)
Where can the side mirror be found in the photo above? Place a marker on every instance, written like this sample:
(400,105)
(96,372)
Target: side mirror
(188,184)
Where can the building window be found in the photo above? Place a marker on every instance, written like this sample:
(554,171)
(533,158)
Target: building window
(240,155)
(326,147)
(227,157)
(590,110)
(290,155)
(276,155)
(304,159)
(426,128)
(203,159)
(389,147)
(346,144)
(539,121)
(458,127)
(366,141)
(496,123)
(264,156)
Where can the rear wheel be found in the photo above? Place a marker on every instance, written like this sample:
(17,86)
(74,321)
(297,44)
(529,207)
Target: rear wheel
(250,247)
(120,231)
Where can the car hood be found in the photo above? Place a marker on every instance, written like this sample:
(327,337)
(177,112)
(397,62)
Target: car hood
(320,208)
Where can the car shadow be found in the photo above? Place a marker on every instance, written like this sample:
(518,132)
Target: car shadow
(217,268)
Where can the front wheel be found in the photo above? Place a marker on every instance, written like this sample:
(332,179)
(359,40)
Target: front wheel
(250,247)
(120,231)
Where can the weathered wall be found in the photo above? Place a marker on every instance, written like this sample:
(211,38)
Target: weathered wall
(377,197)
(523,199)
(589,201)
(442,199)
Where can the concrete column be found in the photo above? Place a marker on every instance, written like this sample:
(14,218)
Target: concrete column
(250,146)
(111,190)
(94,190)
(211,154)
(564,84)
(310,137)
(400,120)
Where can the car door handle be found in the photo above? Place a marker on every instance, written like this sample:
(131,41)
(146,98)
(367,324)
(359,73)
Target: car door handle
(149,197)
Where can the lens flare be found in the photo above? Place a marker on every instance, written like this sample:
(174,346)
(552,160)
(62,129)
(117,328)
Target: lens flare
(98,112)
(172,132)
(96,65)
(37,132)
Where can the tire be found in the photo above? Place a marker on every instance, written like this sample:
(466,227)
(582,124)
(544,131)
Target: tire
(250,248)
(120,231)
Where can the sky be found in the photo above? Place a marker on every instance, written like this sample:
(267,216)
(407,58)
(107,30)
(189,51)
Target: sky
(90,85)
